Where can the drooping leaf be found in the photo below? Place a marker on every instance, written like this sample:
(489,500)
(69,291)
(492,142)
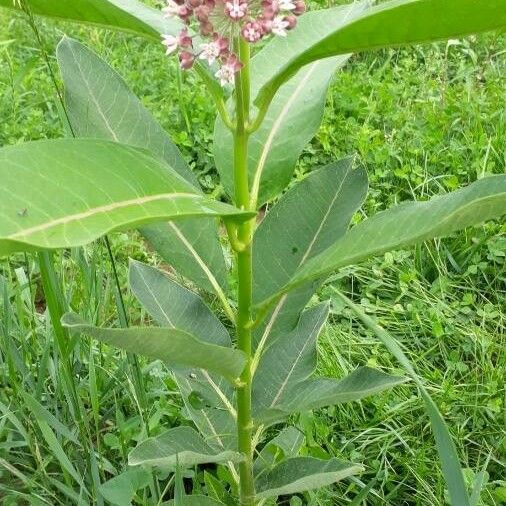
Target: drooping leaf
(183,442)
(121,489)
(307,220)
(344,30)
(285,445)
(127,15)
(100,105)
(316,393)
(68,192)
(289,361)
(452,470)
(303,473)
(291,122)
(172,346)
(408,224)
(172,305)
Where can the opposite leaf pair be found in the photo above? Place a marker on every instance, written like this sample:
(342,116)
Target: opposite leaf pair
(190,342)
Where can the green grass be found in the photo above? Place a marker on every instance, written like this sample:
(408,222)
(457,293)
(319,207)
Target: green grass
(423,120)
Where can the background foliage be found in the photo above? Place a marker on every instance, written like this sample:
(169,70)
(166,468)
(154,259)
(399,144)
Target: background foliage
(419,119)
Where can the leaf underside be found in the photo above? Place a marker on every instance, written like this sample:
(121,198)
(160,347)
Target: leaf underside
(100,105)
(183,446)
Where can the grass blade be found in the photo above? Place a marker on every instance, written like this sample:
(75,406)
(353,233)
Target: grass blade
(446,448)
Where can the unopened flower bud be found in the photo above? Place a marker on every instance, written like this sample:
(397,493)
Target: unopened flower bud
(300,7)
(186,60)
(292,21)
(206,28)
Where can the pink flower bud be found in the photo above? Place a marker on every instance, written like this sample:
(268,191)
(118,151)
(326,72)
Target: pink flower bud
(206,28)
(202,13)
(184,39)
(194,3)
(252,31)
(186,60)
(185,12)
(300,7)
(292,21)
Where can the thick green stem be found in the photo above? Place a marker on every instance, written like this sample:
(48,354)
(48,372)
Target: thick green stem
(245,275)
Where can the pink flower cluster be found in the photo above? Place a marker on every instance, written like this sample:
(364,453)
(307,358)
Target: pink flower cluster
(220,22)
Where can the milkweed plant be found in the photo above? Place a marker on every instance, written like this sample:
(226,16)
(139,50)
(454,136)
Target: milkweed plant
(245,370)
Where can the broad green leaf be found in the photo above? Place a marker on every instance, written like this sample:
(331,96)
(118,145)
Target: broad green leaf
(196,500)
(172,346)
(172,305)
(121,489)
(285,445)
(288,361)
(182,443)
(307,220)
(291,122)
(447,452)
(303,473)
(407,224)
(99,104)
(317,393)
(343,30)
(127,15)
(68,192)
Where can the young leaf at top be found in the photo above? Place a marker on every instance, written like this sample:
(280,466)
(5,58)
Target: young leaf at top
(99,104)
(127,15)
(66,193)
(183,445)
(342,30)
(305,221)
(291,122)
(407,224)
(303,473)
(172,305)
(172,346)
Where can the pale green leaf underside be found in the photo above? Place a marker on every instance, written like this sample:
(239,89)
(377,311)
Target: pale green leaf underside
(309,218)
(183,446)
(407,224)
(316,393)
(127,15)
(121,489)
(172,346)
(285,445)
(66,193)
(172,305)
(99,104)
(386,25)
(303,473)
